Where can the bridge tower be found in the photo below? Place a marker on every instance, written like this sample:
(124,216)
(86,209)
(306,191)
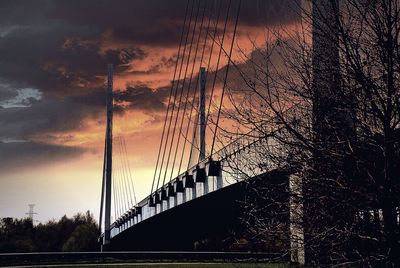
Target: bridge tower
(330,119)
(326,84)
(202,113)
(199,134)
(332,123)
(107,166)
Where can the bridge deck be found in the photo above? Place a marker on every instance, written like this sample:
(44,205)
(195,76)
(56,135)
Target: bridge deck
(180,228)
(212,222)
(235,151)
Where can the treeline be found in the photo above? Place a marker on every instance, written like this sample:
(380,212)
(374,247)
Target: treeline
(78,233)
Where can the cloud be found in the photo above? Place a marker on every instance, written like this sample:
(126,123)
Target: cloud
(47,115)
(23,97)
(268,13)
(62,48)
(143,98)
(6,92)
(153,22)
(24,155)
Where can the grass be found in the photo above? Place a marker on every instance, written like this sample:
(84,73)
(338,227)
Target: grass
(172,265)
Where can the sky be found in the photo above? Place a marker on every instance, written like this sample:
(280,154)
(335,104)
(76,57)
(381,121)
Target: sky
(53,64)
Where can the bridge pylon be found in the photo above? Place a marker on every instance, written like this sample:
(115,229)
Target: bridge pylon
(202,113)
(107,166)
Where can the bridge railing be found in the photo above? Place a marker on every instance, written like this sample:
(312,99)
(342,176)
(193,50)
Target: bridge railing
(235,166)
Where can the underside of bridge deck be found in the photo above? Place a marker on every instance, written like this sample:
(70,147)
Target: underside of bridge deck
(210,223)
(210,217)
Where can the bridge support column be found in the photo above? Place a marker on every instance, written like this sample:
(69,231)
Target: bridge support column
(194,191)
(184,196)
(219,180)
(200,189)
(158,208)
(169,205)
(296,227)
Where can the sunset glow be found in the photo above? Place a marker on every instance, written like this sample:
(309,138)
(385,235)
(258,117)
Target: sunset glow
(52,135)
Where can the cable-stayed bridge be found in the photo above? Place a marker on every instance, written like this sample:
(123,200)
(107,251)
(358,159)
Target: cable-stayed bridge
(196,184)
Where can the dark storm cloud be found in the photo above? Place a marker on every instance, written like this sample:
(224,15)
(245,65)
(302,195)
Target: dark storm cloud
(55,63)
(159,22)
(269,12)
(140,97)
(6,92)
(24,155)
(54,45)
(48,115)
(53,55)
(57,48)
(80,67)
(144,22)
(22,12)
(143,98)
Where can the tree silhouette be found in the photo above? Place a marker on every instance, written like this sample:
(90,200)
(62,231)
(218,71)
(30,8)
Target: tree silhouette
(78,233)
(326,100)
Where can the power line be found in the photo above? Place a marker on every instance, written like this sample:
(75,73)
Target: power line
(31,211)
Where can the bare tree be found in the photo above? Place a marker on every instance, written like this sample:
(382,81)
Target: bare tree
(326,101)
